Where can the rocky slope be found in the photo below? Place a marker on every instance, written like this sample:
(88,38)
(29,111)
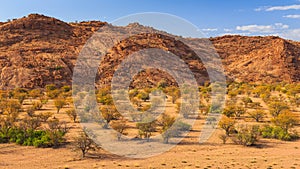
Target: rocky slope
(37,50)
(259,59)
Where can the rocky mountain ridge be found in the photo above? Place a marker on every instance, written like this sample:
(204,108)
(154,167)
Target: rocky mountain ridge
(37,50)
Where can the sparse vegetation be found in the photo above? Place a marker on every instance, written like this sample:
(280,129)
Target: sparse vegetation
(120,127)
(42,128)
(72,114)
(146,127)
(247,135)
(257,115)
(227,124)
(59,103)
(84,143)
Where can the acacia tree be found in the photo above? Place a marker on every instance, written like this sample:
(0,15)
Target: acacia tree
(247,135)
(120,127)
(84,143)
(143,96)
(246,101)
(56,131)
(59,103)
(20,94)
(30,111)
(257,115)
(227,124)
(167,122)
(174,93)
(109,113)
(295,100)
(37,105)
(146,127)
(72,114)
(239,111)
(45,116)
(12,109)
(229,111)
(35,93)
(285,120)
(277,107)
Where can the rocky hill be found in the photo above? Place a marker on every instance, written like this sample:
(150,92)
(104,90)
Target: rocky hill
(37,50)
(259,59)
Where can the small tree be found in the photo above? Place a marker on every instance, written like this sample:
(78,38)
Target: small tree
(37,105)
(50,87)
(120,127)
(167,122)
(246,101)
(43,99)
(109,113)
(239,111)
(84,143)
(35,93)
(45,116)
(227,124)
(162,84)
(59,103)
(296,101)
(277,107)
(229,111)
(143,96)
(12,106)
(12,109)
(224,138)
(174,93)
(21,96)
(146,127)
(286,120)
(72,114)
(257,115)
(56,131)
(32,123)
(186,109)
(247,135)
(30,111)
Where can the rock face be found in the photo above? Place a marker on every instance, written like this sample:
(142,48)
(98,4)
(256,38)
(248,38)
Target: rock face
(37,50)
(259,59)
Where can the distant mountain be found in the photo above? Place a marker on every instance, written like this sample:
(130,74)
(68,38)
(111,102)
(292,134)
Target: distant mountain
(37,50)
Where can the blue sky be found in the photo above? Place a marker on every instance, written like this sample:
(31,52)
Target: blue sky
(213,17)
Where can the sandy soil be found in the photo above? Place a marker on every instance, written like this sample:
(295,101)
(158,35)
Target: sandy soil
(188,154)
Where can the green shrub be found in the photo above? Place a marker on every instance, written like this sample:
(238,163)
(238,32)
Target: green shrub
(32,137)
(180,125)
(276,132)
(37,105)
(50,87)
(247,135)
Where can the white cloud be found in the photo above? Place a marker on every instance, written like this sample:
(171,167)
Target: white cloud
(255,28)
(293,34)
(261,8)
(262,28)
(227,30)
(278,8)
(237,33)
(210,30)
(292,16)
(281,26)
(282,8)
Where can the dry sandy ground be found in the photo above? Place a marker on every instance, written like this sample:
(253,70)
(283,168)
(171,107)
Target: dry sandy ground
(188,154)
